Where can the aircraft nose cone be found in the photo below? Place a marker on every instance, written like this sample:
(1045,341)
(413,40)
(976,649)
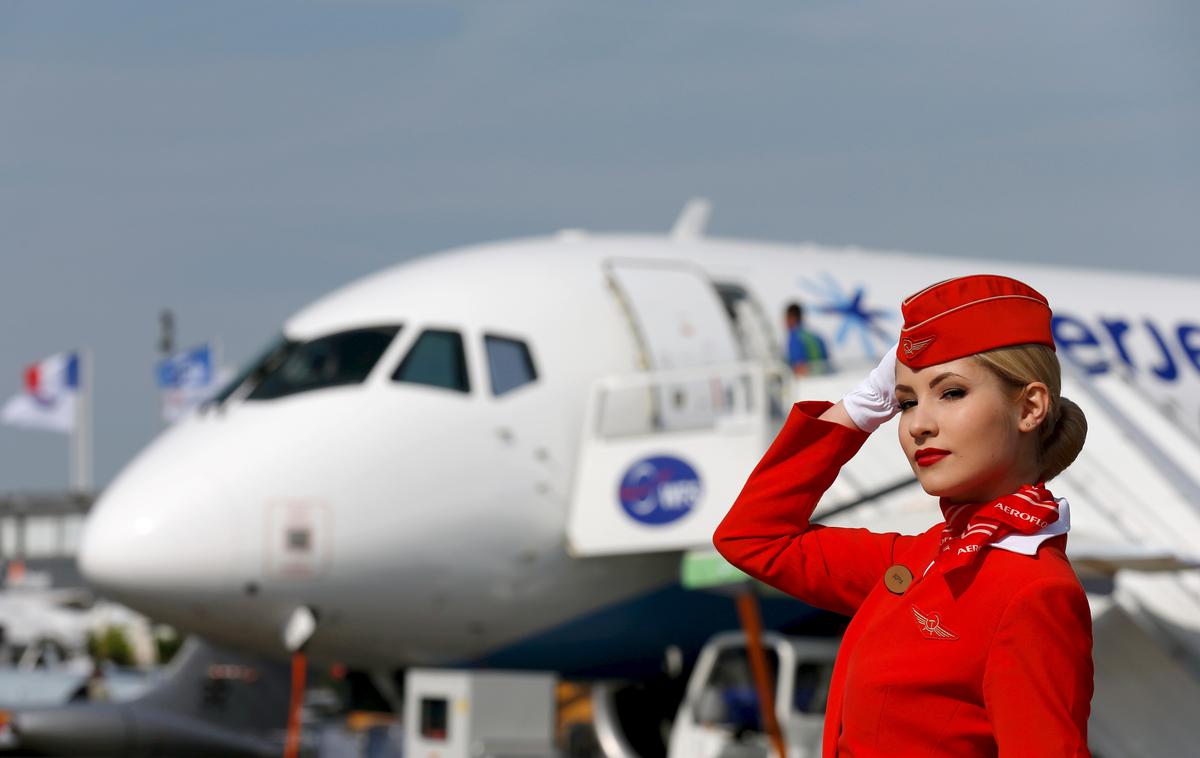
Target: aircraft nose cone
(165,534)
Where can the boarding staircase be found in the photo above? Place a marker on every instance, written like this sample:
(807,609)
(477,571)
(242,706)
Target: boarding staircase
(715,420)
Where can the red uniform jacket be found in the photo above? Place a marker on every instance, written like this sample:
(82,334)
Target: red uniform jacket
(992,659)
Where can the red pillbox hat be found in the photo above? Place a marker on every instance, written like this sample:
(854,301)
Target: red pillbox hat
(968,315)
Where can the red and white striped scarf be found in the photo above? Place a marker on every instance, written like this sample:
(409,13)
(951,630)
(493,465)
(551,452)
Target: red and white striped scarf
(971,526)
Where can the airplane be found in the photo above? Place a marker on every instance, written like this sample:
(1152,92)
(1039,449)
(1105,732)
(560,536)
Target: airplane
(211,701)
(404,459)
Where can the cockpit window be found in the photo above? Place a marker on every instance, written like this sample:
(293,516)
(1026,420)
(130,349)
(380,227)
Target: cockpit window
(436,359)
(330,361)
(254,371)
(509,362)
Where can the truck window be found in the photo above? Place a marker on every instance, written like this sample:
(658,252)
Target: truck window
(812,686)
(433,719)
(730,690)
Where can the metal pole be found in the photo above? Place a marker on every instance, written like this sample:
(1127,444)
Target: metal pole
(81,435)
(88,438)
(291,745)
(747,605)
(166,332)
(166,347)
(73,445)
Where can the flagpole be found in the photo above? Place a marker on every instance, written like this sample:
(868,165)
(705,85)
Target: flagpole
(76,430)
(73,452)
(81,436)
(89,394)
(217,358)
(166,349)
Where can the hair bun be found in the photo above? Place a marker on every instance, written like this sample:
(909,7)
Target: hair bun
(1065,440)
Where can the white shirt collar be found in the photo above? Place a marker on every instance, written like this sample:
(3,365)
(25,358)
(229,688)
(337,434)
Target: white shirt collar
(1027,544)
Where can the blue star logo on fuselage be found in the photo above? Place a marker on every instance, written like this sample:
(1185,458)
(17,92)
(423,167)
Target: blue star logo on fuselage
(858,321)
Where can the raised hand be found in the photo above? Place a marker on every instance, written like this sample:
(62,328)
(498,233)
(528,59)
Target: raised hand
(873,401)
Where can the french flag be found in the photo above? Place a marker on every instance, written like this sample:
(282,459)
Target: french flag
(50,395)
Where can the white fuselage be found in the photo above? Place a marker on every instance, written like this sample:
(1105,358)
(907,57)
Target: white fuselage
(432,520)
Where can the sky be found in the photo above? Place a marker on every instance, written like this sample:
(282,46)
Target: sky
(235,160)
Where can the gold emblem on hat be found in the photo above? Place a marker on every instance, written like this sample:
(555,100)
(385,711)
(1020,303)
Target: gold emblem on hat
(912,347)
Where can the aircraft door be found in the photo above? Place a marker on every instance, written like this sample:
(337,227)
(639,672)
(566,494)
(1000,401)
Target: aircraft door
(750,323)
(758,341)
(679,322)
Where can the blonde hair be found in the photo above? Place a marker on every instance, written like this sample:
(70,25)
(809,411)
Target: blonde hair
(1064,429)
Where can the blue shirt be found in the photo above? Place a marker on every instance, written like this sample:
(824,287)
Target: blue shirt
(807,348)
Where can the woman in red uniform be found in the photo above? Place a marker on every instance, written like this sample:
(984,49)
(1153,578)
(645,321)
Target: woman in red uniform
(973,638)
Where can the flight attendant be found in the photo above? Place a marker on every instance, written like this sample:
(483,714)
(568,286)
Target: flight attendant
(973,638)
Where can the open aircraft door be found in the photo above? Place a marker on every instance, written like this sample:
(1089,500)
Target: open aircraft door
(679,322)
(665,449)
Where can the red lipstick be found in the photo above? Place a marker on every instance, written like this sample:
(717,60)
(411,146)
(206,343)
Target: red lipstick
(930,455)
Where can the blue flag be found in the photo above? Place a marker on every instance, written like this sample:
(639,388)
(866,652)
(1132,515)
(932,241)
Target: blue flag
(186,379)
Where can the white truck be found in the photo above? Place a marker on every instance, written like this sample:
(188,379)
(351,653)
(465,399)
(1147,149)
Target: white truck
(479,714)
(719,716)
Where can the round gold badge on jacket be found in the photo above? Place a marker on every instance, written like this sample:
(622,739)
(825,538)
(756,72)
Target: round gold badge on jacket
(897,579)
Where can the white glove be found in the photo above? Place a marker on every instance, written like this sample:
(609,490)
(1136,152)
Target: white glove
(873,402)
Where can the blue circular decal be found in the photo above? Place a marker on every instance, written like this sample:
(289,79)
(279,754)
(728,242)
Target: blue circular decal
(659,490)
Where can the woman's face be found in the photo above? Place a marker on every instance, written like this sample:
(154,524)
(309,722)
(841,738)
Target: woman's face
(967,436)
